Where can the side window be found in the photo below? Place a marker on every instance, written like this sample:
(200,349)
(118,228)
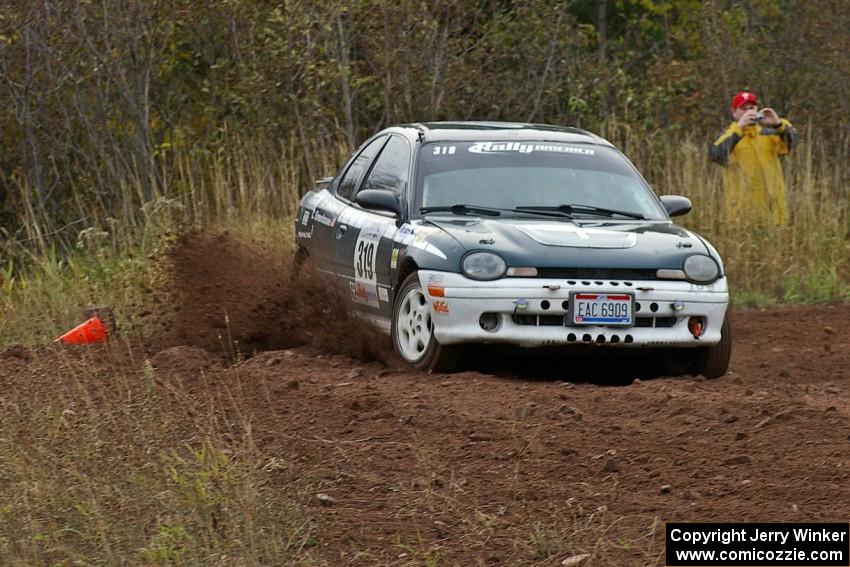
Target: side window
(390,171)
(358,167)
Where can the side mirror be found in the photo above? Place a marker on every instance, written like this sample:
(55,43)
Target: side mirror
(676,205)
(323,182)
(379,200)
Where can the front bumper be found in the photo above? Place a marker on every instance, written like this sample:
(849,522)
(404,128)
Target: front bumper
(457,312)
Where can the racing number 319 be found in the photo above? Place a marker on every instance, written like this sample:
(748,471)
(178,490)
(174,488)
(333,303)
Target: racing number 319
(365,260)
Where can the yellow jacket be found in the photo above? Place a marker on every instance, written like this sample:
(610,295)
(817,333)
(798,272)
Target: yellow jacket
(753,185)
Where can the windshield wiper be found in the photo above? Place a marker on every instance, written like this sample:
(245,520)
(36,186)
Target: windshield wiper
(569,209)
(464,210)
(491,211)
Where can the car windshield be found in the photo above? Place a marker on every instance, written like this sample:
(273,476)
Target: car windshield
(582,179)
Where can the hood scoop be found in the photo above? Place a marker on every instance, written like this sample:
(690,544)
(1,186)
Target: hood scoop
(576,236)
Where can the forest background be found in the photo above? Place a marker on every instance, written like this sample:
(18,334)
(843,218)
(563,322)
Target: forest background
(122,120)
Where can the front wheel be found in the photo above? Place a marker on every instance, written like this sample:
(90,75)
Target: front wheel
(713,361)
(413,330)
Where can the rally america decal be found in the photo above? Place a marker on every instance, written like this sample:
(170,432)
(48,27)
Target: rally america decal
(523,148)
(365,261)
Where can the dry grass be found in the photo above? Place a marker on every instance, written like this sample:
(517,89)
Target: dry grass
(106,462)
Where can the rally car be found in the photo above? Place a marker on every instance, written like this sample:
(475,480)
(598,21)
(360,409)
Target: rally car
(448,234)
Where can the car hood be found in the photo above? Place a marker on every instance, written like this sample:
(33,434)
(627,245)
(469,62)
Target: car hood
(566,244)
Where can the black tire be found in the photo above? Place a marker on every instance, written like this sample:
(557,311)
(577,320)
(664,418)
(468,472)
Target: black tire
(426,353)
(713,362)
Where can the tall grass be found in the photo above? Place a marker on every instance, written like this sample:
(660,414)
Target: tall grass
(806,260)
(48,273)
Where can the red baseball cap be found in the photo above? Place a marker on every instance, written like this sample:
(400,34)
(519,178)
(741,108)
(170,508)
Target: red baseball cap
(743,98)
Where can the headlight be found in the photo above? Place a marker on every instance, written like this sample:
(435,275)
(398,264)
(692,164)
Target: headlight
(701,269)
(483,266)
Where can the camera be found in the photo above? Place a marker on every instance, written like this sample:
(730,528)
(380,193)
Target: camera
(759,116)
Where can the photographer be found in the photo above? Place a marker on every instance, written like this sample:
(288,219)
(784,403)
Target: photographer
(749,149)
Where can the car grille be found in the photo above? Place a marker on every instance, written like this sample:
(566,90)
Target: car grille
(597,273)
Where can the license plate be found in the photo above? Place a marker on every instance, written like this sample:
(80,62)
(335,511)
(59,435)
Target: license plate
(602,309)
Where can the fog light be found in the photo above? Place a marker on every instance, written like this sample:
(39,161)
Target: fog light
(696,325)
(489,322)
(677,306)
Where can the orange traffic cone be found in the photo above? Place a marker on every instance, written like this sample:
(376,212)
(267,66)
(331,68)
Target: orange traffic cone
(92,331)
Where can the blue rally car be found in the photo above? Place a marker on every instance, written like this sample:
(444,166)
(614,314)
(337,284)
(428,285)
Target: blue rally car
(448,234)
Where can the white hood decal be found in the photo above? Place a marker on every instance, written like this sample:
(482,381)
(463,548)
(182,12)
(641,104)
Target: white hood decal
(576,236)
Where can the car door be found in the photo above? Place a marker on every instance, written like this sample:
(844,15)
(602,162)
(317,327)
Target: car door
(329,205)
(366,253)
